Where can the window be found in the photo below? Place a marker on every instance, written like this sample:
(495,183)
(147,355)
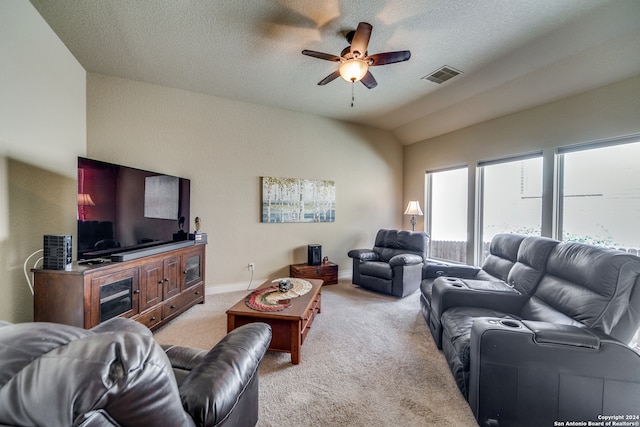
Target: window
(599,195)
(447,214)
(510,195)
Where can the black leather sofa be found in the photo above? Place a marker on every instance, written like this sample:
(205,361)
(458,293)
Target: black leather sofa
(117,375)
(394,265)
(549,343)
(515,263)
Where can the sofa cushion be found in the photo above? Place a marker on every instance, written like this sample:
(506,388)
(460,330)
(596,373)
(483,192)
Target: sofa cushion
(456,339)
(529,268)
(503,253)
(390,243)
(377,269)
(590,285)
(457,323)
(537,310)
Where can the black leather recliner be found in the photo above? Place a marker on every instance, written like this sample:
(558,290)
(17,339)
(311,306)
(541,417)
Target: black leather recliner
(116,374)
(520,277)
(556,350)
(503,255)
(394,265)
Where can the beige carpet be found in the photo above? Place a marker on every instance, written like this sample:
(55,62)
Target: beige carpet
(368,360)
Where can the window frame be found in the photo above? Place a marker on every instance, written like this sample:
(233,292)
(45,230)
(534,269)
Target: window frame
(559,178)
(428,201)
(480,191)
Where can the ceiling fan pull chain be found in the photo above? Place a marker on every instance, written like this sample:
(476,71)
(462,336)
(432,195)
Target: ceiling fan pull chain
(353,97)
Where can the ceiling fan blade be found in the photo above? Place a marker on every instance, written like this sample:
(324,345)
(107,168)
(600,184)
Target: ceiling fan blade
(361,39)
(331,77)
(320,55)
(389,57)
(369,81)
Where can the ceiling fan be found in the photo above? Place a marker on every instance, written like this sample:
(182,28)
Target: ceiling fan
(354,60)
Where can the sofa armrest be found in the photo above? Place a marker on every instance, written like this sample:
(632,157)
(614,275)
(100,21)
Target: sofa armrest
(363,254)
(405,259)
(453,292)
(436,268)
(553,333)
(122,324)
(210,391)
(534,373)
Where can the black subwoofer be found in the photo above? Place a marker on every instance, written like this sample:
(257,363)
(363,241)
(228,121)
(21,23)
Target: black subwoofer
(314,254)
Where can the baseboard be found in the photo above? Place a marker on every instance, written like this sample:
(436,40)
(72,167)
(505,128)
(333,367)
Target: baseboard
(247,286)
(345,274)
(233,287)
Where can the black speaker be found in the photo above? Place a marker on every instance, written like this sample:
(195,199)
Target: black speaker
(314,254)
(58,252)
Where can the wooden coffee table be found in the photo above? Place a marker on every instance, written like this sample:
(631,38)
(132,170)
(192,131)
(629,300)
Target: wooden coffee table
(290,326)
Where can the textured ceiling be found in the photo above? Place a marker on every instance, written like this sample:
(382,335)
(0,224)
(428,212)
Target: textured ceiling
(514,54)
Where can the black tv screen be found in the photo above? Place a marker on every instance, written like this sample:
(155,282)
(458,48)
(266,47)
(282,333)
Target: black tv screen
(122,208)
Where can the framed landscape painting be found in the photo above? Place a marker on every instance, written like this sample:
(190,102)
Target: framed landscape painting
(298,200)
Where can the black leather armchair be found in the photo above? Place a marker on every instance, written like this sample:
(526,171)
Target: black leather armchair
(394,265)
(116,374)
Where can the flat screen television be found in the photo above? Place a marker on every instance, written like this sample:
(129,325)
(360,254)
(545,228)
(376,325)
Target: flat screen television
(122,208)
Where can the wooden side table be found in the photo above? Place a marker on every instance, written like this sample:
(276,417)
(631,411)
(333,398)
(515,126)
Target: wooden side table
(326,271)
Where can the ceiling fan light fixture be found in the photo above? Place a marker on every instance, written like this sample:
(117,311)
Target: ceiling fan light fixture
(355,61)
(353,70)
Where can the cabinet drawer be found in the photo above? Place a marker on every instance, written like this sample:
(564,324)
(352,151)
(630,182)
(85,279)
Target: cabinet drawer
(180,303)
(310,316)
(151,318)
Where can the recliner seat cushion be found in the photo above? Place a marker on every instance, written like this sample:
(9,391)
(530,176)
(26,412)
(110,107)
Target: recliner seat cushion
(377,269)
(456,339)
(457,323)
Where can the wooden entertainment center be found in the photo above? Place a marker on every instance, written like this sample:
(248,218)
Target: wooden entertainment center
(151,289)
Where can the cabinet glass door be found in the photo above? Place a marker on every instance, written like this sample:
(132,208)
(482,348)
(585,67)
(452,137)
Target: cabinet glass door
(116,298)
(114,295)
(192,270)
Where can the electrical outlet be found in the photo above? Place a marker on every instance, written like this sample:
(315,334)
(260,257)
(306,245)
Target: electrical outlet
(251,266)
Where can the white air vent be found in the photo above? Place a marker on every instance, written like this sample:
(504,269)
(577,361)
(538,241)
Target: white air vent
(442,74)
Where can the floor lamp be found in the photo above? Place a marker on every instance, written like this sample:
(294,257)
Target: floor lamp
(413,209)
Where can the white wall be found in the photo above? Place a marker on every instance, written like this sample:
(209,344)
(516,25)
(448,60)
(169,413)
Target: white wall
(42,131)
(607,112)
(225,146)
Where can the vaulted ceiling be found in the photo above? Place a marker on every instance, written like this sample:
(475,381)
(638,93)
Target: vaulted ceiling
(512,54)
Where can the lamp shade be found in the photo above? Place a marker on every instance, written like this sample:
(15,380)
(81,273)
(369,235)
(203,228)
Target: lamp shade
(353,70)
(413,208)
(84,199)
